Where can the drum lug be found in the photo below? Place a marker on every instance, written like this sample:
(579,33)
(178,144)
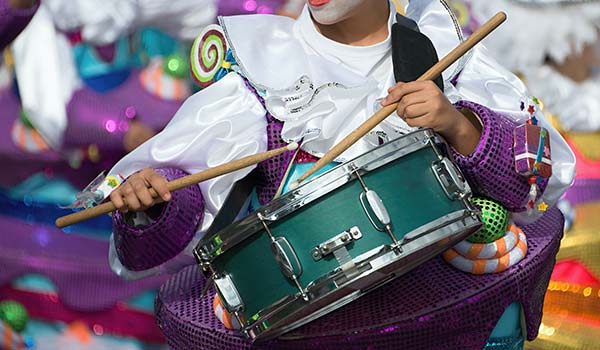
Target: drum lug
(450,178)
(230,296)
(335,243)
(286,257)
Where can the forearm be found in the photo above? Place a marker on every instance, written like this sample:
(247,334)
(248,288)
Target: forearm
(14,17)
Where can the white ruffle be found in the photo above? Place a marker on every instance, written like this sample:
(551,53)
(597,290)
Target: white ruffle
(576,105)
(104,21)
(531,33)
(217,125)
(315,95)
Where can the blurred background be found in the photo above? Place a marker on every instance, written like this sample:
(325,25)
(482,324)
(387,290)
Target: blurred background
(82,82)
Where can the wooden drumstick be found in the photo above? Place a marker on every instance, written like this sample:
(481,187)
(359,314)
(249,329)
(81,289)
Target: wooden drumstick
(178,184)
(386,111)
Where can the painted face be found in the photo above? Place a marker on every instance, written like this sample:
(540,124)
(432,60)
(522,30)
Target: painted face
(329,12)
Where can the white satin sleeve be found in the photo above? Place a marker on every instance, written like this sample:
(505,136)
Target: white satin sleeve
(486,82)
(217,125)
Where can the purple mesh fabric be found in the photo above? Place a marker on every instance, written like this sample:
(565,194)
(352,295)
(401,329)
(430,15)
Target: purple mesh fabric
(433,307)
(99,118)
(75,264)
(584,191)
(144,247)
(271,172)
(490,169)
(13,21)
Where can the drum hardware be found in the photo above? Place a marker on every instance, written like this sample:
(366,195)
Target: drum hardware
(335,243)
(376,206)
(286,257)
(229,294)
(337,247)
(453,184)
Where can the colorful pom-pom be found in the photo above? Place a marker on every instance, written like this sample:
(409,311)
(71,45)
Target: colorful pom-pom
(495,220)
(208,54)
(14,314)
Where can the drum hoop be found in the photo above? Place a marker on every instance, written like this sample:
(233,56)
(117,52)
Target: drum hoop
(459,225)
(211,247)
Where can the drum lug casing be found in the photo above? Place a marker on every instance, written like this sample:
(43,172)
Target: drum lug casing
(451,179)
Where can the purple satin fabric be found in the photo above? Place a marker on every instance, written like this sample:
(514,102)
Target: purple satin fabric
(13,21)
(75,264)
(142,248)
(490,169)
(584,191)
(432,307)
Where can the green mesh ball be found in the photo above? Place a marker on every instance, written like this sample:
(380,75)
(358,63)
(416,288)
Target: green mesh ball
(14,314)
(495,220)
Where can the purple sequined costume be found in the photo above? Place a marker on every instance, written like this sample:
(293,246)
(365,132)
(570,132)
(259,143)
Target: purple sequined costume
(442,306)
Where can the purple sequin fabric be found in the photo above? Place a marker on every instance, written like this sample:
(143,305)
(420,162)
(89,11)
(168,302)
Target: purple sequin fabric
(272,171)
(432,307)
(143,247)
(490,169)
(13,21)
(75,264)
(237,7)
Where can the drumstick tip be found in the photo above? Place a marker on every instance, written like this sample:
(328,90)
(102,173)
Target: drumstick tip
(293,146)
(294,185)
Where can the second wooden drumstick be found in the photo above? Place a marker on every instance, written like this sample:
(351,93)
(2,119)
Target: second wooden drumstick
(178,184)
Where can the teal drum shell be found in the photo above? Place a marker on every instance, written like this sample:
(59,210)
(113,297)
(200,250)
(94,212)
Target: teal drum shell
(408,187)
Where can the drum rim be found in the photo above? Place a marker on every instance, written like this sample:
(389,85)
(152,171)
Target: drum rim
(209,248)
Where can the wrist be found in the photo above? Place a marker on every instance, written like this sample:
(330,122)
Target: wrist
(465,134)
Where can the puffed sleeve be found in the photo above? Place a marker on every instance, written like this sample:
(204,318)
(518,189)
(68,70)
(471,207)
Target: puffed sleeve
(13,21)
(217,125)
(483,82)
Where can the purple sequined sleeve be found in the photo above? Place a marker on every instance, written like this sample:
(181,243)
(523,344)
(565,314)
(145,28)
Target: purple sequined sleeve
(490,169)
(173,225)
(13,21)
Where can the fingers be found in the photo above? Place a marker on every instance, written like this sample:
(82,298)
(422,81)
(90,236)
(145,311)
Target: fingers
(398,91)
(159,184)
(135,194)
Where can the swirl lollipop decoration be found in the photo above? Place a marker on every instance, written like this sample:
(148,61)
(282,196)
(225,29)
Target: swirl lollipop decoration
(208,55)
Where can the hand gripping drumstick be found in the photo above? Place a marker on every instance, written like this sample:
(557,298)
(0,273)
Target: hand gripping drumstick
(178,184)
(385,112)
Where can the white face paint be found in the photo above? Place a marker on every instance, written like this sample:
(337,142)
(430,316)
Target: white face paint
(329,12)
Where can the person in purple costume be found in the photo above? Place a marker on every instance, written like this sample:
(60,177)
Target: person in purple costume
(315,80)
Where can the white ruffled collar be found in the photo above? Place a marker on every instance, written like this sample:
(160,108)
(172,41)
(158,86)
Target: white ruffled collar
(319,100)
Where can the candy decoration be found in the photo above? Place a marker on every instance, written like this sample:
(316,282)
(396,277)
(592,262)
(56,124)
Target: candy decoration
(492,250)
(164,82)
(9,340)
(223,315)
(14,314)
(26,137)
(486,266)
(495,221)
(208,54)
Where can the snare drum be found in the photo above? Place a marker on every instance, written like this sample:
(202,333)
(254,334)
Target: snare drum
(340,235)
